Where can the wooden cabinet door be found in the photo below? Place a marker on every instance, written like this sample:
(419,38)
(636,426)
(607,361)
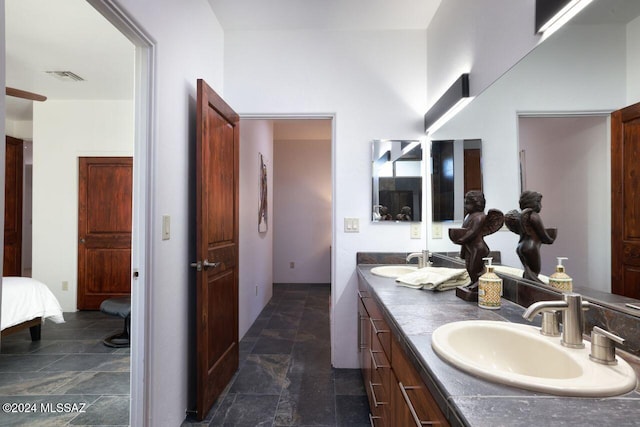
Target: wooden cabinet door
(413,403)
(104,229)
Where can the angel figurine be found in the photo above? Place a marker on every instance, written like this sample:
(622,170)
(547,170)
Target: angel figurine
(475,226)
(528,225)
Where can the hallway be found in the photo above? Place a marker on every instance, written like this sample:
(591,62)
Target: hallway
(285,376)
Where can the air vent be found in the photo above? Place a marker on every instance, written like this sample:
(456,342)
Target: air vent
(66,76)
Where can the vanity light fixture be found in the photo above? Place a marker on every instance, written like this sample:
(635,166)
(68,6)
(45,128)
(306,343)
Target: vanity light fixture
(551,15)
(449,104)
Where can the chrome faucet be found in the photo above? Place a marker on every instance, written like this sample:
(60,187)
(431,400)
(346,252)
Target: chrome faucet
(424,258)
(571,307)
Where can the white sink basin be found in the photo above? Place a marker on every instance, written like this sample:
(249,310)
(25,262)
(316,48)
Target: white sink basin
(392,270)
(518,355)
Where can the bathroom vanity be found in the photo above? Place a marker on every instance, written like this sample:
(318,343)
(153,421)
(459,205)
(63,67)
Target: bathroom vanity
(408,384)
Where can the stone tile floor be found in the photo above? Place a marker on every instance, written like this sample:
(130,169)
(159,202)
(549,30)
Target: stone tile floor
(285,376)
(68,378)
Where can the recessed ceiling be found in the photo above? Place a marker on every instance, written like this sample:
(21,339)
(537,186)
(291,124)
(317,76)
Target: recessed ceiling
(64,35)
(324,14)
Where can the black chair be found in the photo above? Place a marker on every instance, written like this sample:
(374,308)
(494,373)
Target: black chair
(120,306)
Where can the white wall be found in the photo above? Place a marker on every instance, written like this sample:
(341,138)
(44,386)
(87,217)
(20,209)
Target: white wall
(484,38)
(302,211)
(256,253)
(633,61)
(19,129)
(64,131)
(577,70)
(568,161)
(189,45)
(374,83)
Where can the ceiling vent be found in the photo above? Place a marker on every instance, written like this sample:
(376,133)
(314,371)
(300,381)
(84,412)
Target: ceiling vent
(66,76)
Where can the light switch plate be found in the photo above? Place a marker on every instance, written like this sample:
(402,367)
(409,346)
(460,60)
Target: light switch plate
(351,225)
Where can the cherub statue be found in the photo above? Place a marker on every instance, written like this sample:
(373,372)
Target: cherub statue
(475,226)
(528,225)
(405,214)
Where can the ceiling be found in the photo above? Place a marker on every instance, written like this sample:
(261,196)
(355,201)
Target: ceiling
(64,35)
(324,14)
(69,35)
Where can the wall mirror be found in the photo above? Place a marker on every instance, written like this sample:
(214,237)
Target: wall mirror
(456,168)
(397,181)
(528,122)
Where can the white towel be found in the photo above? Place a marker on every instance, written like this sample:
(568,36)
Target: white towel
(513,271)
(435,278)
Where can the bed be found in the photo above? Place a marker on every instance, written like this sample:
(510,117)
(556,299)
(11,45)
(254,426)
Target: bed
(26,302)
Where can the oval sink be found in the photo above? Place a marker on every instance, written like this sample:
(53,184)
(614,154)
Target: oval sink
(392,270)
(518,355)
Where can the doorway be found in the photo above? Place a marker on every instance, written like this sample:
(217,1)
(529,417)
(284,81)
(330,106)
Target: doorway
(567,159)
(141,140)
(300,209)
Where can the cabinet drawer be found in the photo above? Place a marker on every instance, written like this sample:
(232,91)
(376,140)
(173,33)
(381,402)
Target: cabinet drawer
(379,326)
(415,404)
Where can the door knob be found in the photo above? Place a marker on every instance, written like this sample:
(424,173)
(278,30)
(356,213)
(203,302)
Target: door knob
(204,264)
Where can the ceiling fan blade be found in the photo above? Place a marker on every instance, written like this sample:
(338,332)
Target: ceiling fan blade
(24,94)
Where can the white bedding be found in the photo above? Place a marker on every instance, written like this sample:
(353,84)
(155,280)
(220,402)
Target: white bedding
(24,298)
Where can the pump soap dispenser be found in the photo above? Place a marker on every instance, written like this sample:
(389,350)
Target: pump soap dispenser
(561,280)
(489,288)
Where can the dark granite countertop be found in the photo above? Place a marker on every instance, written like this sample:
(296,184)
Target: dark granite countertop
(471,401)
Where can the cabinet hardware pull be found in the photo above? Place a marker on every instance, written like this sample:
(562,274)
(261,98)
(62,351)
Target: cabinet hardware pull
(371,418)
(362,296)
(373,395)
(373,360)
(416,419)
(376,330)
(361,344)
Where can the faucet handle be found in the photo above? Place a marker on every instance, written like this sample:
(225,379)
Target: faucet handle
(603,349)
(550,323)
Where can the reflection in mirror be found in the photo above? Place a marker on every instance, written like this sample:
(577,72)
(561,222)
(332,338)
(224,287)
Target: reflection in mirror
(397,180)
(586,70)
(455,170)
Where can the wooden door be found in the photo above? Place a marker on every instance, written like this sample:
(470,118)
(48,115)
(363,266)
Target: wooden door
(217,164)
(472,170)
(12,262)
(104,229)
(625,201)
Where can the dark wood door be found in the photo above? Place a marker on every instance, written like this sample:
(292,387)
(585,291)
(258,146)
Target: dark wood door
(104,229)
(625,201)
(472,170)
(12,263)
(217,177)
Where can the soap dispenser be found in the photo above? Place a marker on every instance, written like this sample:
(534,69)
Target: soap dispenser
(560,280)
(489,288)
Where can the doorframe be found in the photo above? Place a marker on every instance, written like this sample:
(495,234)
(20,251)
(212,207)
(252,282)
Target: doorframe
(333,118)
(141,237)
(603,114)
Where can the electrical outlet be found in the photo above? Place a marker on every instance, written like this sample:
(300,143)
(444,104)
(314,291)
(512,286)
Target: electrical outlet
(436,231)
(415,231)
(65,285)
